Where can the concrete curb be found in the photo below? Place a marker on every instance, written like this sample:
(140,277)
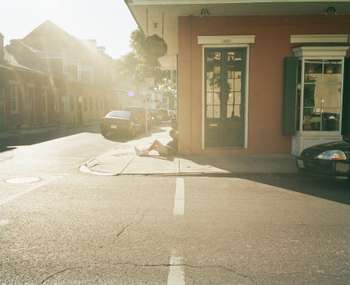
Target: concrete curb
(88,167)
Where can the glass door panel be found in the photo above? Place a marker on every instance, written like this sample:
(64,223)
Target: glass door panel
(224,96)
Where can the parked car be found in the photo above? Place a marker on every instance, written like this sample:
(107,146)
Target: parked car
(155,117)
(140,113)
(329,159)
(122,122)
(164,114)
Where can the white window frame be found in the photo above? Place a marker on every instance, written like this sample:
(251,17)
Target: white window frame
(306,138)
(321,53)
(246,109)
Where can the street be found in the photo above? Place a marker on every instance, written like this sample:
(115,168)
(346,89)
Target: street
(61,226)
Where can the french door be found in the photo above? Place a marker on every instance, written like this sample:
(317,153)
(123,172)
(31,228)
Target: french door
(225,81)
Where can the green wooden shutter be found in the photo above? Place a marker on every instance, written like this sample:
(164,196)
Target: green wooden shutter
(346,99)
(290,82)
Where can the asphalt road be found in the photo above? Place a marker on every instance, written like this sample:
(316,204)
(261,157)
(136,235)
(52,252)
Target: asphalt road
(75,228)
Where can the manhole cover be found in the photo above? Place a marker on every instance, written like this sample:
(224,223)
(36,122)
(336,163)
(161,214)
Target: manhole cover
(23,180)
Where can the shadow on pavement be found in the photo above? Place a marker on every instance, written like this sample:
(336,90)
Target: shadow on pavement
(34,137)
(125,138)
(329,188)
(326,188)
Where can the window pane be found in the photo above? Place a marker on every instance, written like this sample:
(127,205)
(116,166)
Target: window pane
(238,74)
(231,56)
(230,84)
(322,95)
(312,121)
(216,112)
(209,112)
(313,70)
(332,67)
(237,110)
(216,99)
(230,99)
(209,98)
(238,98)
(237,85)
(309,95)
(229,111)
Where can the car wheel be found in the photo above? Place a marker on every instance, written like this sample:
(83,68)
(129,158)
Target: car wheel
(106,134)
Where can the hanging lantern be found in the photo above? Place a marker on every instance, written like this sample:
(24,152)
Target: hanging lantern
(156,46)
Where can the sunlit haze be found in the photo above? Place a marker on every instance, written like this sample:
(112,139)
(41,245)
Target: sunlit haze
(107,21)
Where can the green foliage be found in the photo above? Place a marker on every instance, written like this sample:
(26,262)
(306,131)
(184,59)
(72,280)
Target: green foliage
(142,62)
(143,59)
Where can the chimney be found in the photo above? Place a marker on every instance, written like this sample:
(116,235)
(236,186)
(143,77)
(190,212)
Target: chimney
(2,53)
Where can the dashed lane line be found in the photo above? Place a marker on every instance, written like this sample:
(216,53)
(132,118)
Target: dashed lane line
(176,274)
(179,204)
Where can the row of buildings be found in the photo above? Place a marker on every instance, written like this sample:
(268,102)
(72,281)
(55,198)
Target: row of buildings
(51,78)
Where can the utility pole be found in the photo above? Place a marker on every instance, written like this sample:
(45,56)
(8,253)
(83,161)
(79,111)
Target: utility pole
(148,87)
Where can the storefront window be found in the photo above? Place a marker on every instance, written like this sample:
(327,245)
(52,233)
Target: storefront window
(322,95)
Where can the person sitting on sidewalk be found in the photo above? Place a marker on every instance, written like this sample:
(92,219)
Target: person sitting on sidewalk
(164,150)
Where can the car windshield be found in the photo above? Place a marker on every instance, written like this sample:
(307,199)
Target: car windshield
(119,114)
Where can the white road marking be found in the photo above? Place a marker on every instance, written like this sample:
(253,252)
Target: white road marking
(30,189)
(179,205)
(176,271)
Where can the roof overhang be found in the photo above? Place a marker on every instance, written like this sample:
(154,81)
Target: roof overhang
(161,16)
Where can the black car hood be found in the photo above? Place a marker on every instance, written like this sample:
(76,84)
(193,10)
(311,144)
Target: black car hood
(317,149)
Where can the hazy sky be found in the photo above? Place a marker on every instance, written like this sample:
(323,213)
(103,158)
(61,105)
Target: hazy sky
(107,21)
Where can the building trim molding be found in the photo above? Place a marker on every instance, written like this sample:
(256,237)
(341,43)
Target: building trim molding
(197,2)
(319,38)
(226,40)
(321,52)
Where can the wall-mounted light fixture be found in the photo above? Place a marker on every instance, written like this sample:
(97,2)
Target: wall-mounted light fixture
(204,12)
(331,11)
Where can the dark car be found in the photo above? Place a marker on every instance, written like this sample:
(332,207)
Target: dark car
(123,122)
(329,159)
(140,112)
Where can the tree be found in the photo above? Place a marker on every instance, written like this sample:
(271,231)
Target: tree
(146,51)
(142,62)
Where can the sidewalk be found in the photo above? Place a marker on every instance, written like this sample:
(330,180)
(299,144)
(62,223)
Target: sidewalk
(124,161)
